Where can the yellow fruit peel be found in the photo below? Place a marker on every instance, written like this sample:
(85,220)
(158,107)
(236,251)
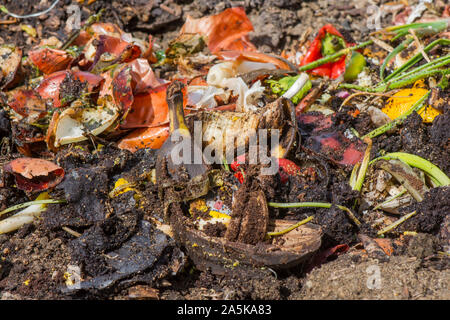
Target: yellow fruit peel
(403,100)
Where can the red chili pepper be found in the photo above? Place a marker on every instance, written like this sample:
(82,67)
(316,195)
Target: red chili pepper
(332,69)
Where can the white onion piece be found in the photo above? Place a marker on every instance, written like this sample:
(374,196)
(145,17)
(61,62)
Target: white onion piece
(298,84)
(219,72)
(203,96)
(246,97)
(15,222)
(90,50)
(33,210)
(229,69)
(249,66)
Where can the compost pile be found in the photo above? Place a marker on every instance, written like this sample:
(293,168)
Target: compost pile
(95,204)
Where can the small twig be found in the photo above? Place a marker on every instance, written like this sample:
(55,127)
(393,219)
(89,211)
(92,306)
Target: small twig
(419,45)
(382,44)
(12,21)
(396,223)
(72,232)
(168,10)
(359,93)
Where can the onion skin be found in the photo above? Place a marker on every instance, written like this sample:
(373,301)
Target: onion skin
(10,66)
(50,60)
(49,88)
(33,174)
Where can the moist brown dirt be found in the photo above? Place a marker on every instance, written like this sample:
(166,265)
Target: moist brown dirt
(33,264)
(402,277)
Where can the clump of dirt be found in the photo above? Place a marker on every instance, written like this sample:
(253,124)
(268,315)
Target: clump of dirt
(422,245)
(430,212)
(337,226)
(86,190)
(440,131)
(215,229)
(254,284)
(71,88)
(417,139)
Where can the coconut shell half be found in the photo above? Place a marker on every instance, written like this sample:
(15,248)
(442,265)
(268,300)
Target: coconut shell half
(221,256)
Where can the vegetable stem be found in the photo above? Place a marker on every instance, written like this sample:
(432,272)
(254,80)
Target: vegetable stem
(396,223)
(398,195)
(330,58)
(392,55)
(290,228)
(32,15)
(388,126)
(30,203)
(415,161)
(314,205)
(434,64)
(416,58)
(90,21)
(365,164)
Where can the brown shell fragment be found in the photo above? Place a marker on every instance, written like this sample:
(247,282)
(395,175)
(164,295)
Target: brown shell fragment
(33,174)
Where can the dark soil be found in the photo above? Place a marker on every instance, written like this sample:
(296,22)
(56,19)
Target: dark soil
(117,248)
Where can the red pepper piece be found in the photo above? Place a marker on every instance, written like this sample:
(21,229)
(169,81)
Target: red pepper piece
(332,69)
